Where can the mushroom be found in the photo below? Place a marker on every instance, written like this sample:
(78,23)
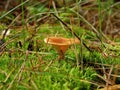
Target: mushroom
(61,44)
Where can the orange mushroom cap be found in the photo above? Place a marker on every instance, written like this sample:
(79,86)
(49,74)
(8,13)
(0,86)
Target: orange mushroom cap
(61,41)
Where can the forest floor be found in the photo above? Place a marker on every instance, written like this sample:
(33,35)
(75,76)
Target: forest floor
(27,62)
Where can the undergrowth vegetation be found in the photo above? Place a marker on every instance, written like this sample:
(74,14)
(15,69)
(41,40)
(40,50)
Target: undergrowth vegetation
(28,63)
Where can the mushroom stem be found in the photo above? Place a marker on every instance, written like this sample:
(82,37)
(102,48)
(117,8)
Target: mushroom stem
(61,55)
(61,50)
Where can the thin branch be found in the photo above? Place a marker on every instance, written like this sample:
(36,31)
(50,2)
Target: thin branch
(71,31)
